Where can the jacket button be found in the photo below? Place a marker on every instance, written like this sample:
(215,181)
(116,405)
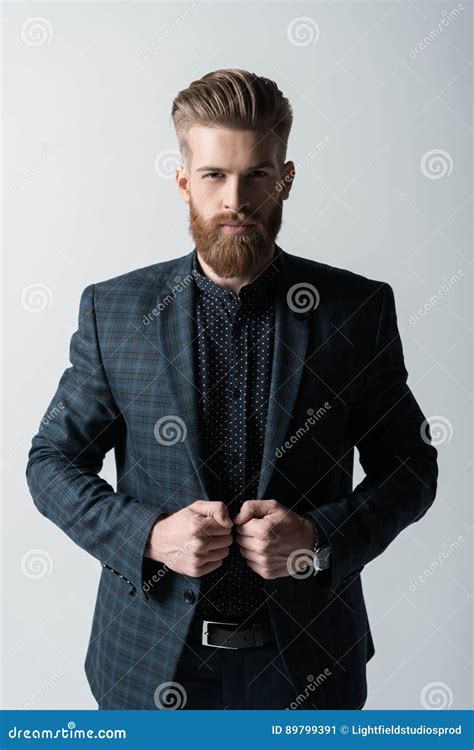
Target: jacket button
(189,596)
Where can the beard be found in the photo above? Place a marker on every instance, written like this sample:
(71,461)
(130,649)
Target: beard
(231,255)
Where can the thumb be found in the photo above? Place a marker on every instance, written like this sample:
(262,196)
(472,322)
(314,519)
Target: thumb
(214,509)
(251,509)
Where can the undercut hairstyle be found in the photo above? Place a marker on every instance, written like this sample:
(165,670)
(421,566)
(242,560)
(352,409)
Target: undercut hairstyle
(233,99)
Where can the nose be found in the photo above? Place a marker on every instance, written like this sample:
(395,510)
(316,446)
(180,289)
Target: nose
(234,199)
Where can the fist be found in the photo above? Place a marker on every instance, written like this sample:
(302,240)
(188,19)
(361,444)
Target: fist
(268,532)
(193,541)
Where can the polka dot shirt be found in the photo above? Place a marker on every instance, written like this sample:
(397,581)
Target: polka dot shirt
(234,352)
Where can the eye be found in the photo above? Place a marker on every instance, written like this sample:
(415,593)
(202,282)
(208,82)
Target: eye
(213,176)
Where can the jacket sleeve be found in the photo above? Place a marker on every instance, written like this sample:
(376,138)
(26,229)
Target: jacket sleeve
(81,424)
(400,463)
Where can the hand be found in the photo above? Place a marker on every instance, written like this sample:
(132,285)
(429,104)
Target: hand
(267,533)
(194,540)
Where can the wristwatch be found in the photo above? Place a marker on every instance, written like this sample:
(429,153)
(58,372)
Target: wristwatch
(321,553)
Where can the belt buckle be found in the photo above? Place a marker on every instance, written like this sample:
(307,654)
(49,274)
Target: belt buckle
(205,634)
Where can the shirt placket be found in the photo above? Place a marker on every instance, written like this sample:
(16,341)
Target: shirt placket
(236,401)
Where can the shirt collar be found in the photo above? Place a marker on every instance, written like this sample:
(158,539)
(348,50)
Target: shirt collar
(257,291)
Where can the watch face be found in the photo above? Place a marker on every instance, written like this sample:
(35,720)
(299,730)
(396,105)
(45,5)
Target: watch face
(321,558)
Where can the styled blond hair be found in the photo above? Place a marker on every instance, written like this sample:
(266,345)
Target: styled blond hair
(232,98)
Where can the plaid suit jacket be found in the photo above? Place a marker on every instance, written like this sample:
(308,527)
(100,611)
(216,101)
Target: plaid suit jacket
(338,381)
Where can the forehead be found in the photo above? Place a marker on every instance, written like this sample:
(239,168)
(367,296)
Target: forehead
(230,147)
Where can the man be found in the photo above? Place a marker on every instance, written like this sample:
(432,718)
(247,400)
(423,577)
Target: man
(233,384)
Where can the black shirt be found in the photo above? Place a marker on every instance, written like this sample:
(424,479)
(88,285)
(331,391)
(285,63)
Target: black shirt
(234,353)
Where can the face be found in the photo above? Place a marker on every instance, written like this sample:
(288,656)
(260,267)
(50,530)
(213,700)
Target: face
(234,176)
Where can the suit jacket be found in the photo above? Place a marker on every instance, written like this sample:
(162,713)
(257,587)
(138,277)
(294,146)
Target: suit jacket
(338,381)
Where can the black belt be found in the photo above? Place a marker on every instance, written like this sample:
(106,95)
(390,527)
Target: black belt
(231,634)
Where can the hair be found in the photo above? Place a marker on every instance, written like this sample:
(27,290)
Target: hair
(232,98)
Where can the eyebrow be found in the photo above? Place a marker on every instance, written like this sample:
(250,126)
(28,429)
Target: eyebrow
(261,164)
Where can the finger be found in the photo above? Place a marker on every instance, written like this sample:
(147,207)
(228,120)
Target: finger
(208,568)
(215,509)
(251,528)
(251,555)
(207,557)
(219,542)
(254,509)
(210,528)
(249,542)
(263,571)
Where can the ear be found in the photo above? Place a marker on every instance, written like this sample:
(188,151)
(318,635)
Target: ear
(286,179)
(182,182)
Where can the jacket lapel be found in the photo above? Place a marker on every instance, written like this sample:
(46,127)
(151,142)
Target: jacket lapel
(176,332)
(289,353)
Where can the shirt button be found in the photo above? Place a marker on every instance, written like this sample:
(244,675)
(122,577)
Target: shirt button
(236,392)
(189,596)
(235,457)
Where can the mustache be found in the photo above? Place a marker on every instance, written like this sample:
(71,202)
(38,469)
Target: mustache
(240,218)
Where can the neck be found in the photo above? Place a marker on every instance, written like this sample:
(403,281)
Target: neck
(235,283)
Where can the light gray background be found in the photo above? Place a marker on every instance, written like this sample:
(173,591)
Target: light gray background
(86,137)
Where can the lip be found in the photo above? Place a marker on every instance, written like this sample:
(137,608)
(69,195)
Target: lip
(237,228)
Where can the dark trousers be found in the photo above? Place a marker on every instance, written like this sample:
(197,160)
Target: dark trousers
(244,678)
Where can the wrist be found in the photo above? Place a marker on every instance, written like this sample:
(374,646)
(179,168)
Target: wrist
(311,535)
(152,546)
